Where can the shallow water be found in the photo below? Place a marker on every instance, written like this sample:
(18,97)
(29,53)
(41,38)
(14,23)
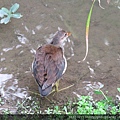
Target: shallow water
(41,19)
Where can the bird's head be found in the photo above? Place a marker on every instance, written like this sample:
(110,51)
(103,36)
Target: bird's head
(60,37)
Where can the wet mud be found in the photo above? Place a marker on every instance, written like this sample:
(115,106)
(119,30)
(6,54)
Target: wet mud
(41,18)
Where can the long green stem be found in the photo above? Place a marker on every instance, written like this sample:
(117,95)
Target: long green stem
(87,29)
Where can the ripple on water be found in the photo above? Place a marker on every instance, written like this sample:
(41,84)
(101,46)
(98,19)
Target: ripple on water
(13,92)
(7,49)
(21,38)
(2,59)
(9,88)
(18,46)
(92,86)
(88,88)
(3,79)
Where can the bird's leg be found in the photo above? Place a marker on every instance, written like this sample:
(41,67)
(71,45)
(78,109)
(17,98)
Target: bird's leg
(56,87)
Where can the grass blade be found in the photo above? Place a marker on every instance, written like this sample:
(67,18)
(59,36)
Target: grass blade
(87,29)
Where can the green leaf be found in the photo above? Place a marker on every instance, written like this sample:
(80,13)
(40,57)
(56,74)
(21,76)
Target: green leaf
(2,13)
(14,8)
(118,89)
(5,10)
(97,92)
(16,15)
(110,98)
(5,20)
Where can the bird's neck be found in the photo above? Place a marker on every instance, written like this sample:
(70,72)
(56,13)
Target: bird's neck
(58,43)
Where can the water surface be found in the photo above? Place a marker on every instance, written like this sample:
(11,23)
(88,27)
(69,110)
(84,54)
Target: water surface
(21,37)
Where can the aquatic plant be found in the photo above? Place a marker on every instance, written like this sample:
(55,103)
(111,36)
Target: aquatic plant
(99,91)
(108,104)
(87,29)
(6,14)
(88,25)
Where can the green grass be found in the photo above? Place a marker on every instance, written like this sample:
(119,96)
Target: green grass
(29,106)
(82,105)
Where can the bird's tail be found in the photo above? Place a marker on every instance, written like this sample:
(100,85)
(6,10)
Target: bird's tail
(46,91)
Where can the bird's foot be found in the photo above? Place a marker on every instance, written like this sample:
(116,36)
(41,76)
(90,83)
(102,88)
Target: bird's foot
(63,89)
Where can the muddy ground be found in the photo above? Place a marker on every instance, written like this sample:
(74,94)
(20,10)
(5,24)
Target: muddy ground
(41,19)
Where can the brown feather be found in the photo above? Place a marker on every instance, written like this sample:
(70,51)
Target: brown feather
(48,65)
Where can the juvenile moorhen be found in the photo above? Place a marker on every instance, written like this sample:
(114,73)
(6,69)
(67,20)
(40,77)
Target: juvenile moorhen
(50,63)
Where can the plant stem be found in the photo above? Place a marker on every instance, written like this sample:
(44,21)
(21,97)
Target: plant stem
(87,29)
(104,95)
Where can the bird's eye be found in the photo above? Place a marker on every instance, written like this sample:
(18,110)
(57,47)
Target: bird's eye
(65,34)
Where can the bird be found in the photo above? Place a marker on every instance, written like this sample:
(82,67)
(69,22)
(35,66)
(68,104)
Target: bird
(50,63)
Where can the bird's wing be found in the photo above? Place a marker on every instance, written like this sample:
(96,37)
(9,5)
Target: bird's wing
(38,66)
(49,65)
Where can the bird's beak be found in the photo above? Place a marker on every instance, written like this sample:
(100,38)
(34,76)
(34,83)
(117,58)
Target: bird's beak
(68,34)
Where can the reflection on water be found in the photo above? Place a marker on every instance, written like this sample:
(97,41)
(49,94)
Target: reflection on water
(18,46)
(106,42)
(93,85)
(38,27)
(116,3)
(14,92)
(89,87)
(2,59)
(22,39)
(4,78)
(7,49)
(9,88)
